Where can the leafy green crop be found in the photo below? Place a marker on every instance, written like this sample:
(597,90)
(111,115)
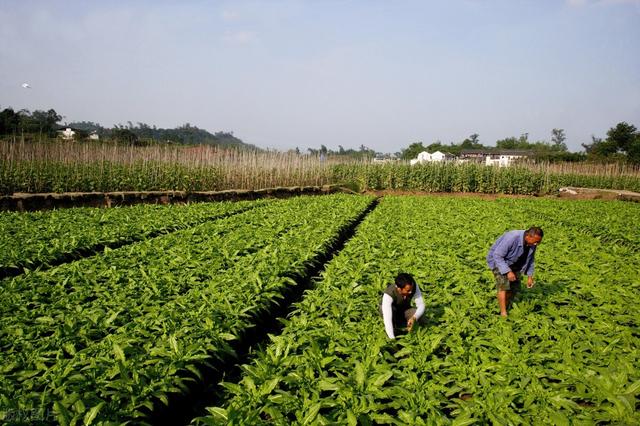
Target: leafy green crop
(568,353)
(471,177)
(30,240)
(105,338)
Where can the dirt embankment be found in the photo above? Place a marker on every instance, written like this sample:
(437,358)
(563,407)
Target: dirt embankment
(45,201)
(30,202)
(569,193)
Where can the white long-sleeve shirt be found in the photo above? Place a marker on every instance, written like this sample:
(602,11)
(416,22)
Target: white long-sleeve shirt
(387,312)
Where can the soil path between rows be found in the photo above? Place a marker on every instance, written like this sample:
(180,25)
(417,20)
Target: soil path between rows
(568,193)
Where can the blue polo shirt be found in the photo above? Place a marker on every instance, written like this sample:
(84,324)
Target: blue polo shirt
(507,250)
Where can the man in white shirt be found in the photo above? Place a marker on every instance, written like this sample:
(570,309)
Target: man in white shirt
(396,308)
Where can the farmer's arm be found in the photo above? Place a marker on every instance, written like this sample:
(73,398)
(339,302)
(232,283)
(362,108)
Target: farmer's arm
(531,263)
(419,310)
(419,303)
(500,255)
(531,267)
(387,315)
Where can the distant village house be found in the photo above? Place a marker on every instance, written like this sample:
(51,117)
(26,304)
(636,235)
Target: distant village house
(384,158)
(501,158)
(67,134)
(425,157)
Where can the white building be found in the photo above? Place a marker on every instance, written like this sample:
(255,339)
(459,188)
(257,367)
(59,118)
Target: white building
(425,157)
(504,159)
(67,133)
(501,158)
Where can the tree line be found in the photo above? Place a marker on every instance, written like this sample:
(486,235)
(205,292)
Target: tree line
(43,123)
(361,153)
(621,144)
(40,124)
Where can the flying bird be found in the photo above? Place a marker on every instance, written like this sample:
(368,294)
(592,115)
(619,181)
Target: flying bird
(26,86)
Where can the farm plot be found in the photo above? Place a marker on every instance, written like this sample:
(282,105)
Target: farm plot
(30,240)
(104,338)
(568,353)
(609,221)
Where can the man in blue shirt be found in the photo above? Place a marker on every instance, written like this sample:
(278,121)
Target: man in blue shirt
(510,256)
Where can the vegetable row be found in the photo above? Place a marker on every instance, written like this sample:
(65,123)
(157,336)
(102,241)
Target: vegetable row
(107,337)
(569,351)
(29,240)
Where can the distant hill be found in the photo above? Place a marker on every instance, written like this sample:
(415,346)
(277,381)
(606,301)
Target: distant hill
(185,134)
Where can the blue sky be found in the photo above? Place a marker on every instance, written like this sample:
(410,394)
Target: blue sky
(286,74)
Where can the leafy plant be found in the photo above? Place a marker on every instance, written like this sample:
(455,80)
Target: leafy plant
(567,353)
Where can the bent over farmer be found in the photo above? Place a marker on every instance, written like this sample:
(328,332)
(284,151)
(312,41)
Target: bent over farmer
(509,257)
(395,306)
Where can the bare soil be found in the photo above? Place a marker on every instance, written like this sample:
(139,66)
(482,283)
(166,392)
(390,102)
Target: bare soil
(573,194)
(384,192)
(567,194)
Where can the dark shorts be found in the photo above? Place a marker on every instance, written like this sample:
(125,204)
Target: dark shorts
(503,283)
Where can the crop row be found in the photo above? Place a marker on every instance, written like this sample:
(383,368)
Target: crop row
(450,177)
(29,240)
(569,351)
(107,337)
(609,221)
(103,169)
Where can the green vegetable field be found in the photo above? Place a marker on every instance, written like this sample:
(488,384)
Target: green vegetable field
(114,312)
(41,238)
(568,354)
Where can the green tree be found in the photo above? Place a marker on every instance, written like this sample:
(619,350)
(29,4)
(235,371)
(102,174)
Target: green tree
(633,152)
(623,136)
(622,143)
(9,122)
(472,142)
(557,139)
(515,143)
(474,139)
(125,136)
(507,143)
(412,151)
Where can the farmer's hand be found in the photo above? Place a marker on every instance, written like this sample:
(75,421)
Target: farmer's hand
(410,323)
(530,282)
(511,276)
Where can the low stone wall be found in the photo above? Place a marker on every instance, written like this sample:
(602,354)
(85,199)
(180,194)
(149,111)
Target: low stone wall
(44,201)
